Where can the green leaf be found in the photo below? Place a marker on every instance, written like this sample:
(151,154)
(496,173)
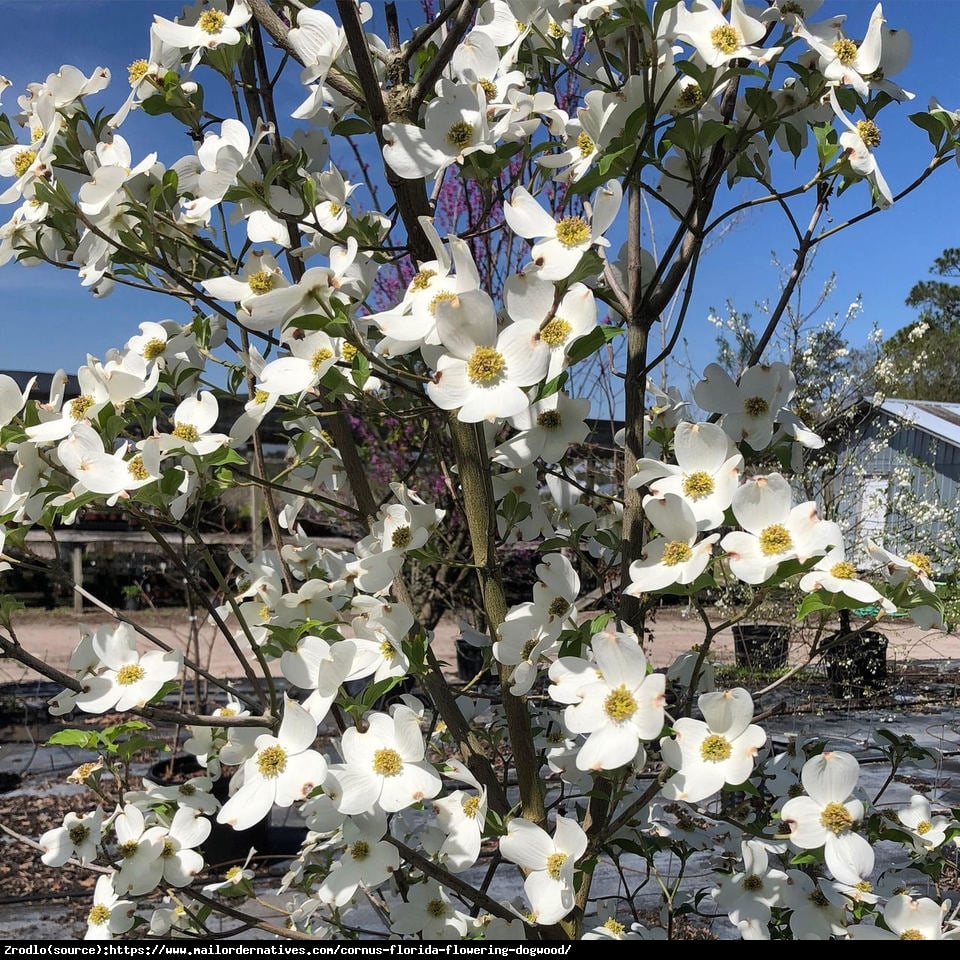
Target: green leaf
(8,607)
(223,456)
(351,127)
(812,603)
(75,738)
(935,124)
(592,342)
(827,145)
(361,370)
(761,102)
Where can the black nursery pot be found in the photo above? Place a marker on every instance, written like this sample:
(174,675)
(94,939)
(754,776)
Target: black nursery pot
(470,662)
(761,646)
(856,664)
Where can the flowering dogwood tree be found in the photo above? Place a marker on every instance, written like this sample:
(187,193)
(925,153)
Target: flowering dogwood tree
(330,263)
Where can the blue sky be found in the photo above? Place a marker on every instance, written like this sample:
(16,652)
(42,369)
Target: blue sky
(48,321)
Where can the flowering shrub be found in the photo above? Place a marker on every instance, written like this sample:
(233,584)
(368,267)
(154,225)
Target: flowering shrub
(408,339)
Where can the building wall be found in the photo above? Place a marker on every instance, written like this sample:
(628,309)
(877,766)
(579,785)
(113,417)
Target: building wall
(916,481)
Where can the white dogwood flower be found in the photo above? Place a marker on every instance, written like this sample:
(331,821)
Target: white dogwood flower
(562,242)
(549,863)
(674,556)
(773,531)
(750,406)
(706,474)
(283,769)
(483,373)
(455,125)
(612,699)
(79,837)
(109,916)
(204,27)
(384,766)
(719,749)
(126,678)
(828,815)
(835,574)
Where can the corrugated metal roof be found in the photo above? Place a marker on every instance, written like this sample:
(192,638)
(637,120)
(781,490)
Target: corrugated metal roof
(941,420)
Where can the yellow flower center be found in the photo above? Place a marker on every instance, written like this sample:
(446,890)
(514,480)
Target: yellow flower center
(387,649)
(753,882)
(444,296)
(36,134)
(555,864)
(844,571)
(614,927)
(485,365)
(186,432)
(528,648)
(128,849)
(869,133)
(335,209)
(836,818)
(818,898)
(80,406)
(421,279)
(460,134)
(187,789)
(691,97)
(154,348)
(168,849)
(437,908)
(549,420)
(924,826)
(22,162)
(401,538)
(272,761)
(555,332)
(348,351)
(698,484)
(360,850)
(319,358)
(471,806)
(775,539)
(715,749)
(234,874)
(98,915)
(78,834)
(756,407)
(261,397)
(846,50)
(211,21)
(912,934)
(137,71)
(558,607)
(620,704)
(387,762)
(129,674)
(865,886)
(573,231)
(83,771)
(261,281)
(676,551)
(489,89)
(922,562)
(725,39)
(585,145)
(556,31)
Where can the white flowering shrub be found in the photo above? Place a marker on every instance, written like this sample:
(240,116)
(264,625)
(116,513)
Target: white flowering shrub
(392,277)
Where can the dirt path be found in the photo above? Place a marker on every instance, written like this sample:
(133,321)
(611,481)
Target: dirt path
(52,636)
